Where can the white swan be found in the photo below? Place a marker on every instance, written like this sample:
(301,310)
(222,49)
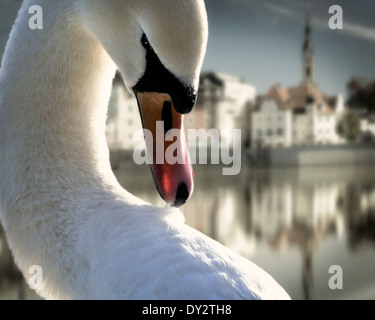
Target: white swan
(61,205)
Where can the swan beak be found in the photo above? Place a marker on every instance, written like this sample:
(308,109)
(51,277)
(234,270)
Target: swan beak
(166,147)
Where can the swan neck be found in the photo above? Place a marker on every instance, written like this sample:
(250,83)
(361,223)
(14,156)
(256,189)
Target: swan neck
(55,85)
(62,78)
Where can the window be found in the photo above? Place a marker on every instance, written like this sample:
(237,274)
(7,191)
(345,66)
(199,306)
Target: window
(259,133)
(269,133)
(308,72)
(208,120)
(280,132)
(191,120)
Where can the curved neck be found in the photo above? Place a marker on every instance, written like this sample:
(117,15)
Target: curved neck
(61,79)
(55,84)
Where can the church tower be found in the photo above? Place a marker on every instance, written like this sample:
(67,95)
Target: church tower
(308,71)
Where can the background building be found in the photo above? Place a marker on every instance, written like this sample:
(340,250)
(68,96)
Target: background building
(223,100)
(123,118)
(300,115)
(296,116)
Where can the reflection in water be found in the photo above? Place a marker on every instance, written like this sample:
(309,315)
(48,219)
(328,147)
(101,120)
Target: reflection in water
(290,211)
(293,222)
(357,203)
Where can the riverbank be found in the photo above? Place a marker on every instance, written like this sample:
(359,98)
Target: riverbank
(347,154)
(312,156)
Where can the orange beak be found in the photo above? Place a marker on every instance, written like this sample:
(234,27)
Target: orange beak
(166,147)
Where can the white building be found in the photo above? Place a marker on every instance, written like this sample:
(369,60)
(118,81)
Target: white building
(123,118)
(222,100)
(299,115)
(296,116)
(271,125)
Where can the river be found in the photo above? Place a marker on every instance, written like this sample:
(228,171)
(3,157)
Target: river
(296,223)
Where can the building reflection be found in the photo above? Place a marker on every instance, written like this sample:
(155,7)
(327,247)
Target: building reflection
(357,204)
(287,209)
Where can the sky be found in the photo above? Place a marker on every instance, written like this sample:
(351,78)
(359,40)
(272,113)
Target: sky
(261,40)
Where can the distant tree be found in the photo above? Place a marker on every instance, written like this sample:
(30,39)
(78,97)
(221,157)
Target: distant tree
(349,125)
(361,95)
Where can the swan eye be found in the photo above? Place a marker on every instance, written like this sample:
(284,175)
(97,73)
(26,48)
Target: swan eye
(145,43)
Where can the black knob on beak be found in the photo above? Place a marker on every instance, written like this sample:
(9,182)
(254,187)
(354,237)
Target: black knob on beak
(182,195)
(184,102)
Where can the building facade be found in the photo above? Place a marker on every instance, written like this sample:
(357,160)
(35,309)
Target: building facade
(222,101)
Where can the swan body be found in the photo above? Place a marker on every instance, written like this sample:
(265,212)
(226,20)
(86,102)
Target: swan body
(61,205)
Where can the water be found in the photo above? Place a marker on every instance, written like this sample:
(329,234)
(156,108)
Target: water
(293,222)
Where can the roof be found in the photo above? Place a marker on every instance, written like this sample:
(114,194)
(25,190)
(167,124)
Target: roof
(212,77)
(219,78)
(298,98)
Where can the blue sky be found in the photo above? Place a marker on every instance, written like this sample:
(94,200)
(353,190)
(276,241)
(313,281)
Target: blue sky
(261,40)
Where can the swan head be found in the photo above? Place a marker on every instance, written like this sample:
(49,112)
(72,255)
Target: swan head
(159,47)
